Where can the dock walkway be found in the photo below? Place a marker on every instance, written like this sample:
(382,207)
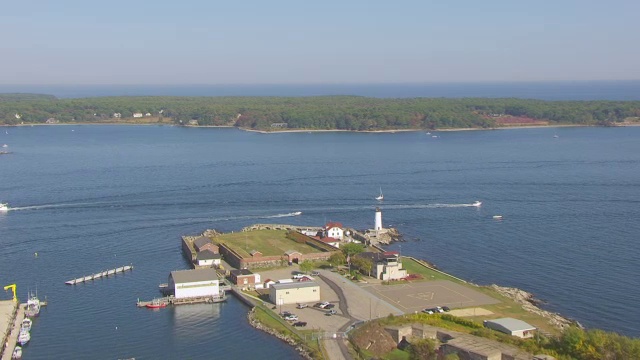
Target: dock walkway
(12,336)
(100,275)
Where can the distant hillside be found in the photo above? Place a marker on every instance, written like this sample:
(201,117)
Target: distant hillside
(25,97)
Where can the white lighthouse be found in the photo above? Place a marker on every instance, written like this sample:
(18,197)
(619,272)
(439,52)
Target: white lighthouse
(378,225)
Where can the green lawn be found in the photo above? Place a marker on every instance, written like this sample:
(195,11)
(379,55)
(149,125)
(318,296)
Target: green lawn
(268,242)
(413,267)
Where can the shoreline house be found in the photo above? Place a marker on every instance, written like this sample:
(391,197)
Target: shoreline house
(137,115)
(512,327)
(202,243)
(244,278)
(295,292)
(385,266)
(334,230)
(208,258)
(194,283)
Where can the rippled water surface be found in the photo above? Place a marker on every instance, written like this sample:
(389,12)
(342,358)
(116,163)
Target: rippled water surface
(88,198)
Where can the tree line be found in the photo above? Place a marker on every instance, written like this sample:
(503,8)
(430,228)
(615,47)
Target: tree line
(314,113)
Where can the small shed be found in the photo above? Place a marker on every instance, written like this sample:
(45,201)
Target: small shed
(244,278)
(208,258)
(512,327)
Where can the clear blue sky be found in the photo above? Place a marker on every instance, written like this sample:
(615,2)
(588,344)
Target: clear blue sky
(328,41)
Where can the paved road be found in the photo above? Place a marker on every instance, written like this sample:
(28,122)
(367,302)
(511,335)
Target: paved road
(344,308)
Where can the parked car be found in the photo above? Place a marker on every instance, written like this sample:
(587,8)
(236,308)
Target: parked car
(300,323)
(428,311)
(291,318)
(446,308)
(315,273)
(439,309)
(302,306)
(324,305)
(330,306)
(318,305)
(331,312)
(286,313)
(298,276)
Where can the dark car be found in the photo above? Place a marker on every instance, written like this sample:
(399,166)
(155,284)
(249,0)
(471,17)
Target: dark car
(446,308)
(330,306)
(286,313)
(300,324)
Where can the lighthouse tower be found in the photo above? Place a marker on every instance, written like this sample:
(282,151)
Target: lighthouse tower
(378,225)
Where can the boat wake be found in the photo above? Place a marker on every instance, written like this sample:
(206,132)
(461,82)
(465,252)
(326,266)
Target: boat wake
(297,213)
(49,206)
(431,206)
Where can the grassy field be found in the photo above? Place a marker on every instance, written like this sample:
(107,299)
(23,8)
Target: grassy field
(268,242)
(413,267)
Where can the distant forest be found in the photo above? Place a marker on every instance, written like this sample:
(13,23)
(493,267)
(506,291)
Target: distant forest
(313,113)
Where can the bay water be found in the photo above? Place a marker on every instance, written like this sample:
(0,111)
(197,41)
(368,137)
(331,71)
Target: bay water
(90,198)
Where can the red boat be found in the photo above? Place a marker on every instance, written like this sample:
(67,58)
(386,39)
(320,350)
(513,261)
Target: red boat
(156,304)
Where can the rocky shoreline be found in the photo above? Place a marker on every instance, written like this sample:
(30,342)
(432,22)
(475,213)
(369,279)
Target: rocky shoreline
(530,304)
(256,324)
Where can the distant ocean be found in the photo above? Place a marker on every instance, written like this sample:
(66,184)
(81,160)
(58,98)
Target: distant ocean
(563,90)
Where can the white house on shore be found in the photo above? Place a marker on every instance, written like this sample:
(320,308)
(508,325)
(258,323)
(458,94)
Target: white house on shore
(137,115)
(334,230)
(194,283)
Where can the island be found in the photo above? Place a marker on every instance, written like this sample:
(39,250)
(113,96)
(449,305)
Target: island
(319,113)
(335,295)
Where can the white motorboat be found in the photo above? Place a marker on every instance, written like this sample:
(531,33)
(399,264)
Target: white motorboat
(477,203)
(5,145)
(497,217)
(26,324)
(380,197)
(297,213)
(24,337)
(4,207)
(17,353)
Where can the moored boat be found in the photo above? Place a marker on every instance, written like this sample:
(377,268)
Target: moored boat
(24,337)
(26,324)
(33,306)
(17,353)
(156,304)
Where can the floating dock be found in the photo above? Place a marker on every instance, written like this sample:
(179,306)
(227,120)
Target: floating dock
(100,275)
(171,300)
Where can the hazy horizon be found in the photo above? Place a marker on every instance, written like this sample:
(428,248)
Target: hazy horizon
(74,42)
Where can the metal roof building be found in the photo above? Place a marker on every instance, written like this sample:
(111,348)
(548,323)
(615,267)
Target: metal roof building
(511,326)
(194,283)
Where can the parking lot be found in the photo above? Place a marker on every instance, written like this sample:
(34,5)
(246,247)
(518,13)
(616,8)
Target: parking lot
(412,297)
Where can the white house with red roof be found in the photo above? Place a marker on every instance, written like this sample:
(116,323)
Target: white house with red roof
(334,230)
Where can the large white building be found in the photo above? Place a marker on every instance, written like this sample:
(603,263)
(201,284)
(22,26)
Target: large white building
(194,283)
(334,230)
(293,293)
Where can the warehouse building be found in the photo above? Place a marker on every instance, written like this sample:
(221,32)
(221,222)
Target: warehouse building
(511,326)
(194,283)
(296,292)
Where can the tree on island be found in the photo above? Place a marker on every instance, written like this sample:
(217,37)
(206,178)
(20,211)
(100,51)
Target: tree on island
(337,259)
(351,249)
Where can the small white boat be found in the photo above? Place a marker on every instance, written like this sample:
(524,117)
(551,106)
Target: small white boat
(497,217)
(17,353)
(556,136)
(477,203)
(4,207)
(380,197)
(434,136)
(5,145)
(26,324)
(297,213)
(428,133)
(24,337)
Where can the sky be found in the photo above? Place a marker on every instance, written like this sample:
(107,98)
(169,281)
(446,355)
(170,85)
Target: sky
(317,42)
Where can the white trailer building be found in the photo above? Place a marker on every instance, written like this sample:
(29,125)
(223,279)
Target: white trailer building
(297,292)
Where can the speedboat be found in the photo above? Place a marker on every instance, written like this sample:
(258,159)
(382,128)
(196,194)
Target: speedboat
(24,337)
(5,145)
(17,353)
(497,217)
(297,213)
(26,324)
(4,207)
(477,203)
(156,304)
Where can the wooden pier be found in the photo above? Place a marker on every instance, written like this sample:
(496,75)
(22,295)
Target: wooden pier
(100,275)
